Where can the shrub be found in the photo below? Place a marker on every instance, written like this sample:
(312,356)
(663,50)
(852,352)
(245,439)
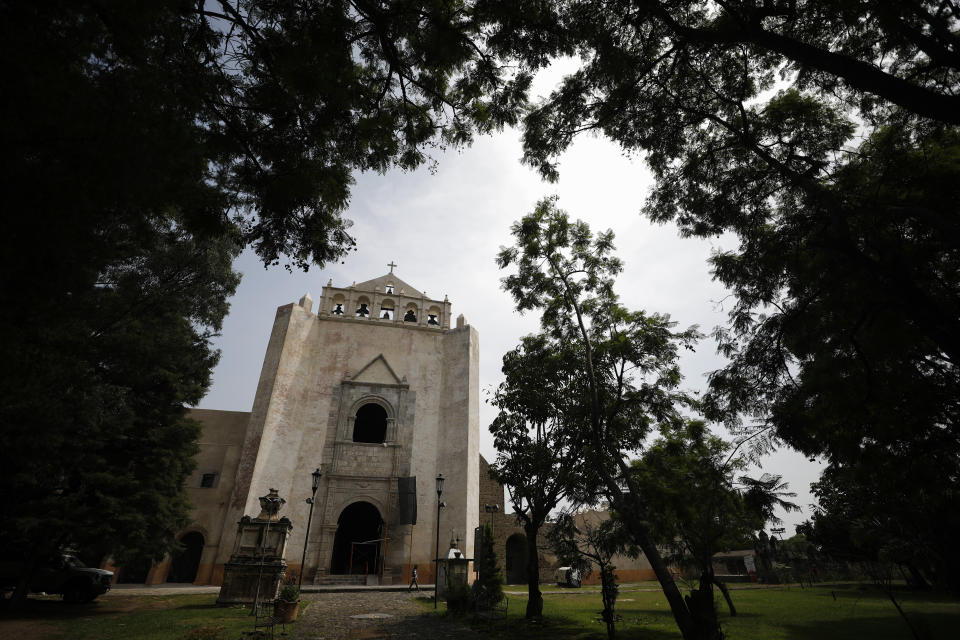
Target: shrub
(487,590)
(458,599)
(289,593)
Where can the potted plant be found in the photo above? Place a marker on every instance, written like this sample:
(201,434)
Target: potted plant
(287,604)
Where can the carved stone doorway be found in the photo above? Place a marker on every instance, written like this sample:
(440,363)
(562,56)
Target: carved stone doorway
(357,543)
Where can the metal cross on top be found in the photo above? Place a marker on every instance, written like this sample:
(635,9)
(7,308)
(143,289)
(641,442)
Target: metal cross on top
(391,264)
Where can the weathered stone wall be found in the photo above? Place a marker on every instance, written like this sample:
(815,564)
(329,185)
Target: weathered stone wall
(220,444)
(317,372)
(505,526)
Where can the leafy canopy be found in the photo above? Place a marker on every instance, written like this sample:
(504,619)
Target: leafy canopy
(146,145)
(622,364)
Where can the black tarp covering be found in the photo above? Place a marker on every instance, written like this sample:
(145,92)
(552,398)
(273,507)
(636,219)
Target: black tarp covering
(407,490)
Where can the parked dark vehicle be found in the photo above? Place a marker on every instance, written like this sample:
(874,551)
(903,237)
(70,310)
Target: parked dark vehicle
(64,575)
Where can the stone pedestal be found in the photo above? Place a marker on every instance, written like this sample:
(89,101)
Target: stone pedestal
(257,564)
(453,572)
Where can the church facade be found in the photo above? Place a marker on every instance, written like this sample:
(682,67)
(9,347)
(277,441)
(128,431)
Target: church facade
(374,387)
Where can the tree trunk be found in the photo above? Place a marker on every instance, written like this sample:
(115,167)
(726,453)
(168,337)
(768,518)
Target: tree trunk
(534,597)
(608,582)
(917,581)
(704,614)
(691,626)
(726,596)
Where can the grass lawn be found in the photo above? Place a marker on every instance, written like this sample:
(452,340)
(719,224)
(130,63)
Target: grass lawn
(123,618)
(820,613)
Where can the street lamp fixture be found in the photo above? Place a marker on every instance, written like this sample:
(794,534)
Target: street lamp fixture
(491,509)
(315,484)
(436,554)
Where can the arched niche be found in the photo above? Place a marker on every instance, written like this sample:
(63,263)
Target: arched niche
(515,559)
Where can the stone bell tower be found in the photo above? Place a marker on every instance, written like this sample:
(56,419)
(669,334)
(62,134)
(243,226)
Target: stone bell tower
(375,388)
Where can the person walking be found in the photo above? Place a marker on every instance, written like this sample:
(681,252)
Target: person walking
(413,580)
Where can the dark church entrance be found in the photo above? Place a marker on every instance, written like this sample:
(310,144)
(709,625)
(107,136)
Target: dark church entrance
(356,546)
(183,567)
(135,571)
(515,559)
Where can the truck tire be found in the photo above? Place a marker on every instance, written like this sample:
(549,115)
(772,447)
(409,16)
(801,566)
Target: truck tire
(78,592)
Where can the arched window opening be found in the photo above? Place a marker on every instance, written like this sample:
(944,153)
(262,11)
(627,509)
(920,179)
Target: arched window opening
(370,424)
(338,302)
(389,287)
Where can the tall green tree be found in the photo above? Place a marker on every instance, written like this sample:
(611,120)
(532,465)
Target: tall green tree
(95,443)
(537,440)
(624,361)
(903,515)
(698,507)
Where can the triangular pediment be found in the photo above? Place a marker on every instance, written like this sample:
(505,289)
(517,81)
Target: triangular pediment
(380,285)
(377,371)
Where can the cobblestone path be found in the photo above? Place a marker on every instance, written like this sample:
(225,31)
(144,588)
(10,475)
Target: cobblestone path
(330,617)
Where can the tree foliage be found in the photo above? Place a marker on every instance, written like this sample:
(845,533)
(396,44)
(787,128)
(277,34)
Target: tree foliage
(95,442)
(146,145)
(697,506)
(584,540)
(820,133)
(487,589)
(535,435)
(903,515)
(624,362)
(823,136)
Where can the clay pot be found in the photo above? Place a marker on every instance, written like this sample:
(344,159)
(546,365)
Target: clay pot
(286,611)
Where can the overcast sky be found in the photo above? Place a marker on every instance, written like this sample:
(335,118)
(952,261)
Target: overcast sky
(443,230)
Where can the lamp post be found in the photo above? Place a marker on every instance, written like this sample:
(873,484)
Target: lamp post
(491,509)
(436,571)
(315,476)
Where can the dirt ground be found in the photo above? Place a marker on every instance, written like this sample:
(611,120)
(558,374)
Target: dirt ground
(386,615)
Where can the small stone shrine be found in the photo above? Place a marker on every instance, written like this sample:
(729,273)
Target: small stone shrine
(257,564)
(453,571)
